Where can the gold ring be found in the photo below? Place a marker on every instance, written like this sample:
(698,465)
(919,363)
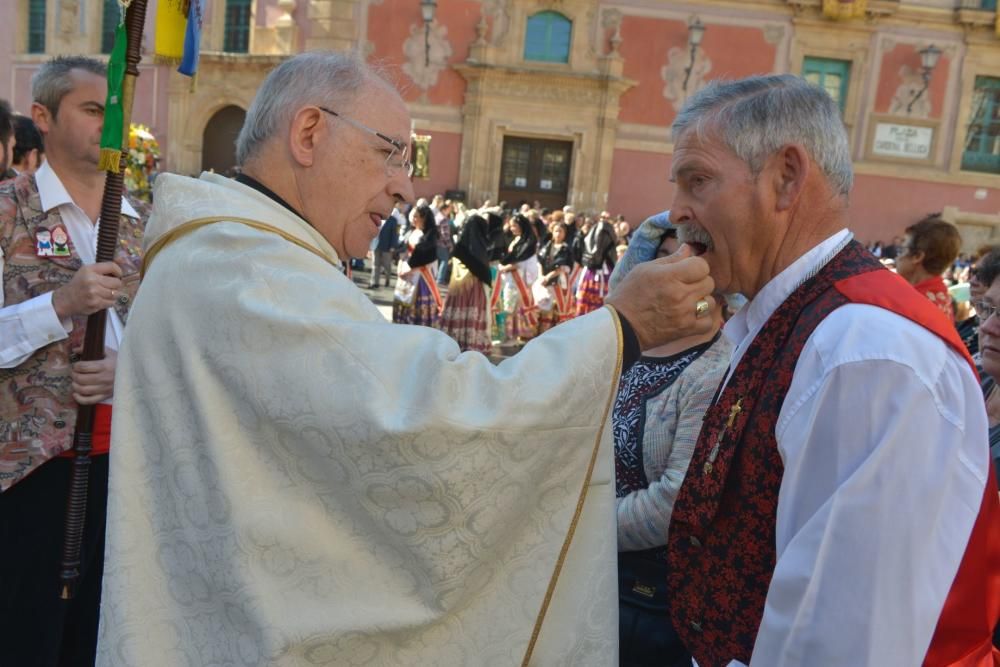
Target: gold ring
(701,308)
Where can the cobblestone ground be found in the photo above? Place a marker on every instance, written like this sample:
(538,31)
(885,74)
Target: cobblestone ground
(381,296)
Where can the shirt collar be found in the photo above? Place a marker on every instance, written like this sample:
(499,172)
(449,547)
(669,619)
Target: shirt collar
(52,193)
(751,318)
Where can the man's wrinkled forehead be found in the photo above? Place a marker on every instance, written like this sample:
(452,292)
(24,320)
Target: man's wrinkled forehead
(697,146)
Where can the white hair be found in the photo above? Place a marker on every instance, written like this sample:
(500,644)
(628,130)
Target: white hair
(756,116)
(325,78)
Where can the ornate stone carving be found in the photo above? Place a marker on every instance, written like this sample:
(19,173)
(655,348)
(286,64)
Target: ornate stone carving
(499,12)
(611,19)
(676,71)
(911,83)
(773,34)
(534,88)
(482,29)
(69,13)
(844,9)
(427,52)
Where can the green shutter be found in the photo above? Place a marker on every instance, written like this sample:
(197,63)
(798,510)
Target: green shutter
(830,75)
(982,143)
(548,37)
(36,26)
(237,31)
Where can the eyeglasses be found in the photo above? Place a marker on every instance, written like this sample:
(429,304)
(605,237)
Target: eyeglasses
(398,147)
(985,310)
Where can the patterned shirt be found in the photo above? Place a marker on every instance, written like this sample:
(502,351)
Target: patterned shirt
(934,289)
(657,417)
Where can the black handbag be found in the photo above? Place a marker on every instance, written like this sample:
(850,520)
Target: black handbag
(646,634)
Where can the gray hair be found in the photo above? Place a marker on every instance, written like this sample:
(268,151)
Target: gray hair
(328,78)
(53,80)
(756,116)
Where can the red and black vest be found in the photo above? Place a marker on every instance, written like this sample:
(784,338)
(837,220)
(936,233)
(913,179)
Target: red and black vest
(722,547)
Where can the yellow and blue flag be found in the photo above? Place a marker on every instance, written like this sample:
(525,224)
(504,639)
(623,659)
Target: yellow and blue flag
(178,34)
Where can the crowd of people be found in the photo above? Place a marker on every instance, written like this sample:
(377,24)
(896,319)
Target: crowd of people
(507,274)
(775,427)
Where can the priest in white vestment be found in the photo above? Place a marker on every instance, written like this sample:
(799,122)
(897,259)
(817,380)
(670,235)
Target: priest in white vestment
(296,481)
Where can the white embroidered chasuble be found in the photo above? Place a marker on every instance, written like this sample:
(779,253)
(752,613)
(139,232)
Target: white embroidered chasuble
(296,481)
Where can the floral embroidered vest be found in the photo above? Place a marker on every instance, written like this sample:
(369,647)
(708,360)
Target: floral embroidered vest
(37,411)
(721,546)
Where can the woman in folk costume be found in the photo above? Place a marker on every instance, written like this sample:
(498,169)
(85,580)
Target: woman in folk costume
(416,299)
(598,260)
(518,270)
(466,309)
(551,290)
(656,420)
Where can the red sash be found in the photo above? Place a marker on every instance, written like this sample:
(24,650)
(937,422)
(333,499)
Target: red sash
(495,294)
(574,276)
(425,273)
(963,637)
(562,300)
(528,306)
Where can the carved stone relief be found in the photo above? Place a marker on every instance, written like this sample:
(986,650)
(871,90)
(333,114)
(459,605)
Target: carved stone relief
(499,12)
(911,83)
(69,13)
(427,53)
(675,72)
(611,19)
(773,34)
(530,88)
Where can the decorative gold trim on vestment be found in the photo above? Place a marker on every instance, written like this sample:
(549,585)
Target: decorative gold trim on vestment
(191,226)
(560,561)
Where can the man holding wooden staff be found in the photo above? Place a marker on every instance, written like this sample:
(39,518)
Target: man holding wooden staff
(49,289)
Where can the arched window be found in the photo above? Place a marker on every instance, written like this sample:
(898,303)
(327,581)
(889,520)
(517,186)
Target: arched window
(237,33)
(36,26)
(548,37)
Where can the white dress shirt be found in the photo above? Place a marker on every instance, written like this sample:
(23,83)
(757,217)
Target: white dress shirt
(30,325)
(883,437)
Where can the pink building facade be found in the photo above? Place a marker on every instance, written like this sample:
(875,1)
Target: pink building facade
(571,101)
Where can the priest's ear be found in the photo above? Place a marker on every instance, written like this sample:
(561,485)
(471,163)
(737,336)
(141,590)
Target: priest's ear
(306,134)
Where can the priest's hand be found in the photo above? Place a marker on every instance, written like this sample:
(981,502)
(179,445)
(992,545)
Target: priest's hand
(660,298)
(93,288)
(94,381)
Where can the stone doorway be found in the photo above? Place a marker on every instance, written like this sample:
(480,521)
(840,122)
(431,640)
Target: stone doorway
(535,170)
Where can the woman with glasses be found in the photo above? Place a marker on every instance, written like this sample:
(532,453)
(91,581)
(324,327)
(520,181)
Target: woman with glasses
(988,275)
(416,299)
(657,416)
